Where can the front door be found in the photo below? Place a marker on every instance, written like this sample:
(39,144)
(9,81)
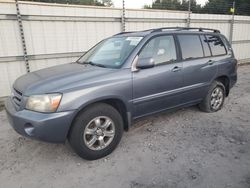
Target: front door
(157,88)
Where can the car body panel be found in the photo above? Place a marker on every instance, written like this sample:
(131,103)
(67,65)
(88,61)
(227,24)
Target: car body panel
(142,92)
(115,85)
(156,89)
(59,78)
(197,76)
(49,127)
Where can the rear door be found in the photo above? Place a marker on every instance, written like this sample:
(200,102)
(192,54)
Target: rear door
(199,68)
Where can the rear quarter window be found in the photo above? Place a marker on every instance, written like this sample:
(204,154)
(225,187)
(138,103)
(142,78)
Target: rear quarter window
(216,45)
(190,46)
(206,49)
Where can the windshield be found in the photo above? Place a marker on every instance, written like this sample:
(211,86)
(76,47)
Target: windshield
(111,52)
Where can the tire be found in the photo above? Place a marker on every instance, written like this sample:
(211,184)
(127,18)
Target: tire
(208,103)
(93,127)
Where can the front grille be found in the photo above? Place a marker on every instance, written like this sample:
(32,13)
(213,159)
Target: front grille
(17,98)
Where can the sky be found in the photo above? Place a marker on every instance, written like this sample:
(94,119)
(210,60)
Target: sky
(140,3)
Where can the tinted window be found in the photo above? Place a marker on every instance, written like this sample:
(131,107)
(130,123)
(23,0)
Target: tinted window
(216,45)
(161,49)
(205,46)
(190,46)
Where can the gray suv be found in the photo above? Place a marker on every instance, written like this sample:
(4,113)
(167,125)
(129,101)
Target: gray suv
(130,75)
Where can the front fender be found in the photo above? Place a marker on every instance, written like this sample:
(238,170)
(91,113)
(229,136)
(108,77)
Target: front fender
(77,100)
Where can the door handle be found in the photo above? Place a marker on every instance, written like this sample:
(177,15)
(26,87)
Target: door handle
(210,62)
(176,69)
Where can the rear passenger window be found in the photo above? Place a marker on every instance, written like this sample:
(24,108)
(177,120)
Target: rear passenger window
(190,46)
(216,45)
(205,46)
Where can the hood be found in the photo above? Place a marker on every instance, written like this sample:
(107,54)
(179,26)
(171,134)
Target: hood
(59,78)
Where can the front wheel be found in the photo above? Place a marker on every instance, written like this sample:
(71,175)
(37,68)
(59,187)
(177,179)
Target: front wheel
(96,131)
(214,99)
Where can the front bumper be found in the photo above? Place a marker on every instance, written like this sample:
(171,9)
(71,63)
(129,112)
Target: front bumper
(50,127)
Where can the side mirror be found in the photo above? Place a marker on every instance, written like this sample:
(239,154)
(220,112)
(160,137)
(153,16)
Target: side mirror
(145,63)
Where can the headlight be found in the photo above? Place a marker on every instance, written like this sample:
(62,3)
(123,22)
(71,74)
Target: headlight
(44,103)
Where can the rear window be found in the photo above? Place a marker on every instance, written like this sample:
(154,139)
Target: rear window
(190,46)
(216,45)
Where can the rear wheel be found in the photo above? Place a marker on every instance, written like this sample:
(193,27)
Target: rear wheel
(214,99)
(96,131)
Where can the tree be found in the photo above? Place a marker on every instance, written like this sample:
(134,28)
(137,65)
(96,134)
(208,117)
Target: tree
(167,4)
(216,7)
(81,2)
(108,3)
(194,6)
(242,7)
(175,5)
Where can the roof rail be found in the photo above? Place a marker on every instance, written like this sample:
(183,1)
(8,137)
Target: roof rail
(185,28)
(125,32)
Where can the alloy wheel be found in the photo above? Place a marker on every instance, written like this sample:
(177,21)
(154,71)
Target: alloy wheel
(216,98)
(99,133)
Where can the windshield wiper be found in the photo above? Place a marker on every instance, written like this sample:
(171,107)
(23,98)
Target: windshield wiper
(94,64)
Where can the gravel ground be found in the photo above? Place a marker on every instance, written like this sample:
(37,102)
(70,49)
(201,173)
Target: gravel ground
(186,148)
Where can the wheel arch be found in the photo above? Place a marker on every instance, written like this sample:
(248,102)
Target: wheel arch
(115,102)
(225,81)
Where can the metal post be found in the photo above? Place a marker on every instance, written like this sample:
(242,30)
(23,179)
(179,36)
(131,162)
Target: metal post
(232,24)
(20,25)
(189,13)
(123,26)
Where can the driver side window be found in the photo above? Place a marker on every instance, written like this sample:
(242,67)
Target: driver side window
(161,49)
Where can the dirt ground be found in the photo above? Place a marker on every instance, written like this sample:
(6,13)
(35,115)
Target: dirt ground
(186,148)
